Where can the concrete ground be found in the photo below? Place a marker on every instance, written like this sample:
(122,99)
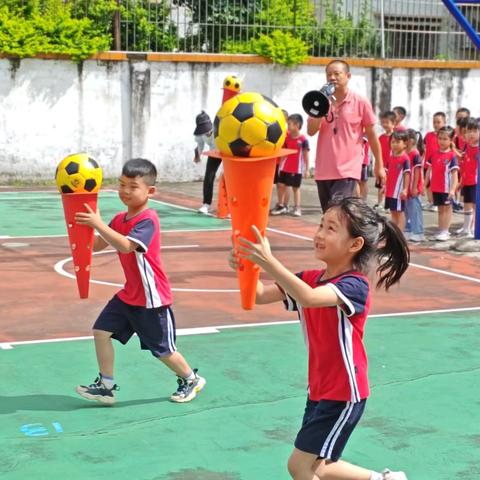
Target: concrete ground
(311,213)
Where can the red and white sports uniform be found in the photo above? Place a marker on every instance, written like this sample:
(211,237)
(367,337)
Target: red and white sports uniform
(442,164)
(431,144)
(384,140)
(416,162)
(469,165)
(295,162)
(146,283)
(337,360)
(397,166)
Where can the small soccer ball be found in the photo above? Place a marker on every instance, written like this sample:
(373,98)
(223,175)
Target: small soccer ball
(232,83)
(78,173)
(249,125)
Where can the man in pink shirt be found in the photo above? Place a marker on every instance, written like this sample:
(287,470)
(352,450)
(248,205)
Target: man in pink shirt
(340,138)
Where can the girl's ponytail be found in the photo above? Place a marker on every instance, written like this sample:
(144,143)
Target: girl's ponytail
(393,255)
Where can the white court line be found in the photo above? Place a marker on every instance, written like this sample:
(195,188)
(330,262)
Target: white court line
(436,270)
(219,328)
(58,267)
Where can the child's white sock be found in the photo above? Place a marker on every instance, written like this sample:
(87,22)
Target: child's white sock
(376,476)
(467,220)
(191,377)
(108,381)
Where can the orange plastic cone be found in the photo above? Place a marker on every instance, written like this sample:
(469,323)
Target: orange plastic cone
(80,236)
(249,187)
(222,201)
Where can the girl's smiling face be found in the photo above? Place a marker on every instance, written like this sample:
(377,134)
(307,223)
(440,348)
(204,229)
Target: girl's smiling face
(444,141)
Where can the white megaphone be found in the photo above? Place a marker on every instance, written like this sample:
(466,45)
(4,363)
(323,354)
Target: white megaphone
(316,103)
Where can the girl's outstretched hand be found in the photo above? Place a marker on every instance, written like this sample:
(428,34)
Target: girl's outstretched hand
(258,252)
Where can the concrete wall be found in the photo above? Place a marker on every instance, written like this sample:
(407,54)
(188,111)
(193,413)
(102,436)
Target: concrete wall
(116,110)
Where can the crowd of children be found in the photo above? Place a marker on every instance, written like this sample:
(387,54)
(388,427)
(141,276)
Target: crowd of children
(442,166)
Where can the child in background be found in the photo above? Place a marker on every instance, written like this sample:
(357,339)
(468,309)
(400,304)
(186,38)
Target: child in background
(275,177)
(398,178)
(443,176)
(293,167)
(143,305)
(413,205)
(460,144)
(400,114)
(333,304)
(468,177)
(363,183)
(387,121)
(431,145)
(203,134)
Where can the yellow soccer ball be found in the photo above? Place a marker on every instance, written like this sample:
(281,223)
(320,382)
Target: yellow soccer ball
(232,83)
(249,125)
(78,173)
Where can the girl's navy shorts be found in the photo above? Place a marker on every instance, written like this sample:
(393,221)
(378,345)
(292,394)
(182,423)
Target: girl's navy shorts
(394,204)
(327,426)
(155,327)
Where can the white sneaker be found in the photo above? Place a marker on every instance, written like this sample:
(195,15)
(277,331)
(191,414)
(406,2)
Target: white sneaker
(205,209)
(417,237)
(388,475)
(442,236)
(297,212)
(407,235)
(461,231)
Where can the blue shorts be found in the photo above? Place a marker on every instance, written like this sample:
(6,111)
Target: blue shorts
(394,204)
(327,426)
(155,327)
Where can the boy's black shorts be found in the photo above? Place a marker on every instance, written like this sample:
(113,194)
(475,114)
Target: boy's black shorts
(290,179)
(327,426)
(364,173)
(440,199)
(155,327)
(394,204)
(469,193)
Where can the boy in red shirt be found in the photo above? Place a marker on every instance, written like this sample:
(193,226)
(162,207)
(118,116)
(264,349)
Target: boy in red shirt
(468,177)
(387,121)
(143,306)
(293,167)
(431,145)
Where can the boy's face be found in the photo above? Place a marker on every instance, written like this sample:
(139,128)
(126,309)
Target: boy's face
(387,125)
(472,137)
(292,127)
(438,122)
(134,192)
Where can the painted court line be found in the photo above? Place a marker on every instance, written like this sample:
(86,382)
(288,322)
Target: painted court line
(58,267)
(219,328)
(436,270)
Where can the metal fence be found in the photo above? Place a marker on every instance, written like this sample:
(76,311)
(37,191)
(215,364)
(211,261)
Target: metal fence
(406,29)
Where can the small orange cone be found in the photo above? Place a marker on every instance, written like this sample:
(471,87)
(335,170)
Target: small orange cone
(249,188)
(222,202)
(80,237)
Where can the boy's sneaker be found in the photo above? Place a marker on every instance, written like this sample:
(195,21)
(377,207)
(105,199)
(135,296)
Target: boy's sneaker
(205,209)
(442,236)
(279,210)
(98,391)
(187,390)
(297,212)
(388,475)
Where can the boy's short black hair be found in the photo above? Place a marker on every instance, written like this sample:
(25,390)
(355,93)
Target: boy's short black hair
(388,115)
(472,124)
(463,110)
(297,119)
(140,167)
(400,110)
(440,114)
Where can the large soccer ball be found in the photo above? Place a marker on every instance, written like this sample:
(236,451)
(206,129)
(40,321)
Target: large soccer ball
(249,125)
(78,173)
